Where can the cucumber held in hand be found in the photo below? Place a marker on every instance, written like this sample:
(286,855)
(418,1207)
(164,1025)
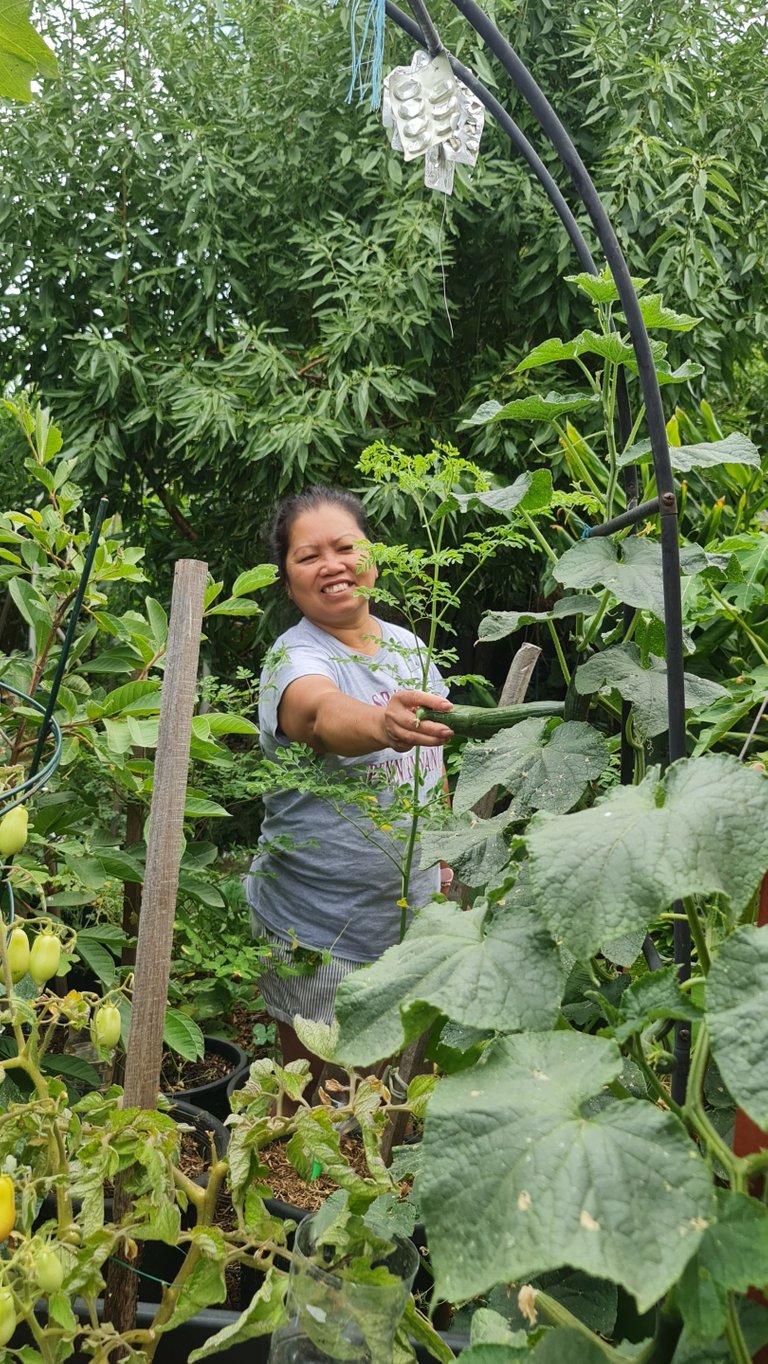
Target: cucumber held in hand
(480,722)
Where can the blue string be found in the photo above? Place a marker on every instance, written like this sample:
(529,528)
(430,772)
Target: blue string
(585,533)
(372,36)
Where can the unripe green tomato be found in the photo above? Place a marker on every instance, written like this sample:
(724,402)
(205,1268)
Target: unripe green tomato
(106,1026)
(13,831)
(18,953)
(49,1271)
(7,1315)
(44,958)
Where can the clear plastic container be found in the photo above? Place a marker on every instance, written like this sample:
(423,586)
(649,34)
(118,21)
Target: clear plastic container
(332,1317)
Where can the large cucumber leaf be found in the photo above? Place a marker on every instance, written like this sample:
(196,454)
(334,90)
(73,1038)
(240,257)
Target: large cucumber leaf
(601,873)
(516,1180)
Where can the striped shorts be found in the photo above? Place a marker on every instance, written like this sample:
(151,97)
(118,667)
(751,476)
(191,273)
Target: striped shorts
(312,994)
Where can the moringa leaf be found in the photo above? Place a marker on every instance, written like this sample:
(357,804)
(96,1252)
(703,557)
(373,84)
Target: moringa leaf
(600,873)
(544,767)
(621,669)
(737,1017)
(502,973)
(509,1157)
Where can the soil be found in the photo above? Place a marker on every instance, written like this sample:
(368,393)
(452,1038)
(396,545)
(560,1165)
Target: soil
(178,1075)
(288,1187)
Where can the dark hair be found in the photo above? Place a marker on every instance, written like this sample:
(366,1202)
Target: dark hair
(291,508)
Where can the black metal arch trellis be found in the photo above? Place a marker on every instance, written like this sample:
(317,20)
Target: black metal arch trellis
(424,32)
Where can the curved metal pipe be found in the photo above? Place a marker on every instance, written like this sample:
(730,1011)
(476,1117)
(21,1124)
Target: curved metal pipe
(551,125)
(516,136)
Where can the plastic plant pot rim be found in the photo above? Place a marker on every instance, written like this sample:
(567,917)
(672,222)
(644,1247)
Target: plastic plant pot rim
(198,1094)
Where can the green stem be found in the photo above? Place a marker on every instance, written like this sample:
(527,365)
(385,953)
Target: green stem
(610,435)
(558,650)
(695,1114)
(653,1081)
(579,469)
(555,1314)
(730,611)
(537,535)
(737,1345)
(596,622)
(698,936)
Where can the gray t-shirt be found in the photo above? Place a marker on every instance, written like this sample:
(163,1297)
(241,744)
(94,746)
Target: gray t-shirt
(332,884)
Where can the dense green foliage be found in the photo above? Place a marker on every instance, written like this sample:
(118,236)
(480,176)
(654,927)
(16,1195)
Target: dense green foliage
(226,282)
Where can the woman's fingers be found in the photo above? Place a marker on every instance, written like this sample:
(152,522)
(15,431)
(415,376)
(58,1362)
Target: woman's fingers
(406,729)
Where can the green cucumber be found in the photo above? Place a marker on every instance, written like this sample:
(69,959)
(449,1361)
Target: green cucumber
(480,722)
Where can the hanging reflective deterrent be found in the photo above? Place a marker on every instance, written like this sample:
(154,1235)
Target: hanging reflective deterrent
(431,114)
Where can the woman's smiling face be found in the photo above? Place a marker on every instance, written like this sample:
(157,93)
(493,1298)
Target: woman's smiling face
(322,567)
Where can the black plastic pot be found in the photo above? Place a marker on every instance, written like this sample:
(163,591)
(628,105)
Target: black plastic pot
(214,1097)
(176,1347)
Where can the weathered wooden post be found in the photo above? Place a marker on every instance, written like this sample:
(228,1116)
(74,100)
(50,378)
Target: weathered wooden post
(161,881)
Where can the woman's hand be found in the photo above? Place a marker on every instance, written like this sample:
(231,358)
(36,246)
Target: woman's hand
(402,727)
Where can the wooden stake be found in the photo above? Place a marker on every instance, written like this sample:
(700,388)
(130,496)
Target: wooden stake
(161,881)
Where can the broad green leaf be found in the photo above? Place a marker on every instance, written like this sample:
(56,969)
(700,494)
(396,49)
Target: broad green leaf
(733,449)
(158,621)
(621,669)
(100,961)
(261,1317)
(610,870)
(550,352)
(235,606)
(633,578)
(656,315)
(490,1328)
(540,409)
(319,1038)
(601,288)
(737,1016)
(503,973)
(316,1139)
(143,732)
(732,1256)
(612,347)
(498,624)
(123,658)
(543,766)
(206,1285)
(690,369)
(134,696)
(498,499)
(183,1035)
(566,1343)
(23,54)
(475,848)
(71,1068)
(253,579)
(197,807)
(534,1185)
(655,995)
(221,723)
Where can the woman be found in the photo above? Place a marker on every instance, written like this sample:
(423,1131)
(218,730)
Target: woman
(343,682)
